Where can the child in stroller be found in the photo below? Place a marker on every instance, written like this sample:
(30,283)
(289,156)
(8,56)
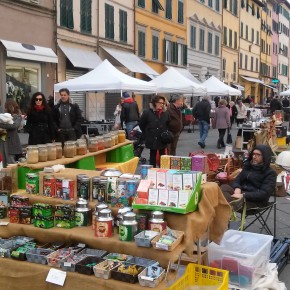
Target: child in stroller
(137,136)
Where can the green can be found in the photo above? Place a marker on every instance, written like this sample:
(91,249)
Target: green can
(32,183)
(83,214)
(128,227)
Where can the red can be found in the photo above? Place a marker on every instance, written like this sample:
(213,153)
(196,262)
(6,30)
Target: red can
(58,187)
(14,214)
(68,188)
(49,185)
(104,224)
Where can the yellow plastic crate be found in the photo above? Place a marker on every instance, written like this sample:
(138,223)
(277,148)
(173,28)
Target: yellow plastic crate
(199,275)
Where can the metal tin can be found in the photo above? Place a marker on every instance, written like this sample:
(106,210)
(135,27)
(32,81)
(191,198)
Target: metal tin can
(156,222)
(128,227)
(98,208)
(121,212)
(103,224)
(49,185)
(68,188)
(79,177)
(3,211)
(32,183)
(121,187)
(58,187)
(99,189)
(131,186)
(84,187)
(83,214)
(144,170)
(142,221)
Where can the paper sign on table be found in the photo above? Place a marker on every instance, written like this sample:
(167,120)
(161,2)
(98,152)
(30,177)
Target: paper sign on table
(55,276)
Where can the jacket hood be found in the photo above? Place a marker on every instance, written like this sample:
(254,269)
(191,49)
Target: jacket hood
(128,100)
(267,155)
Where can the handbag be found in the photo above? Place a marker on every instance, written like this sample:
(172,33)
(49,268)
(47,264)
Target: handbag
(229,138)
(166,137)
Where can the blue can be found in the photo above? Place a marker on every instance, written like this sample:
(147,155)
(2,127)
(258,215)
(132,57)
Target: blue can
(144,170)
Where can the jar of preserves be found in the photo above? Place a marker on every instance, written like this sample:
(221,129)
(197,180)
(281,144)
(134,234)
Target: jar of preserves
(113,143)
(42,153)
(51,151)
(107,141)
(116,137)
(32,154)
(81,145)
(101,144)
(69,149)
(58,150)
(93,144)
(121,136)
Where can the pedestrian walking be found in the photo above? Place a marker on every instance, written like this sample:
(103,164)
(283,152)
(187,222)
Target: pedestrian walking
(130,113)
(67,118)
(39,125)
(153,122)
(201,112)
(221,121)
(117,115)
(233,111)
(176,123)
(12,138)
(241,112)
(275,105)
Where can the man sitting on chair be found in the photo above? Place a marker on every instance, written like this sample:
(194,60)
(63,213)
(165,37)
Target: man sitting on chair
(255,183)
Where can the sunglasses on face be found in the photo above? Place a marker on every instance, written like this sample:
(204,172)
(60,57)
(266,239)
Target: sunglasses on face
(38,99)
(161,103)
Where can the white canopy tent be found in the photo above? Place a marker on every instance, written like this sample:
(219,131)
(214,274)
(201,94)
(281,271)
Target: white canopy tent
(285,93)
(172,81)
(106,78)
(217,88)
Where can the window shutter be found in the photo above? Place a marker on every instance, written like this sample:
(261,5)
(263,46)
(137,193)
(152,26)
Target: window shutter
(180,12)
(89,16)
(164,50)
(70,18)
(63,18)
(184,54)
(83,14)
(176,53)
(253,10)
(125,26)
(107,35)
(225,4)
(258,13)
(247,7)
(242,3)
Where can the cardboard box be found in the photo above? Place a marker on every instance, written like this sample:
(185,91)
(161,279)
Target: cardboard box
(173,198)
(165,161)
(183,198)
(175,162)
(177,181)
(185,163)
(187,181)
(152,176)
(143,188)
(199,163)
(163,197)
(169,178)
(161,179)
(153,196)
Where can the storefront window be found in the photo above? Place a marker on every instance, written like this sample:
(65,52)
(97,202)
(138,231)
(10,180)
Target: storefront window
(22,81)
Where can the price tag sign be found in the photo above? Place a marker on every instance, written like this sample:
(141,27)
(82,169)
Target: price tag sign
(4,223)
(55,276)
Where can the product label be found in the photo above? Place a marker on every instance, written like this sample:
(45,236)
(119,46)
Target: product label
(125,233)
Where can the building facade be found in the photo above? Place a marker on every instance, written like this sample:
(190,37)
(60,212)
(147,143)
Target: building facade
(27,49)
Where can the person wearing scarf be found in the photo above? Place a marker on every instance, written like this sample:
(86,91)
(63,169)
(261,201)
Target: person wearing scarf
(153,122)
(255,183)
(39,123)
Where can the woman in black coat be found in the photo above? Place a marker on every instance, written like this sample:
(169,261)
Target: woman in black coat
(39,123)
(153,122)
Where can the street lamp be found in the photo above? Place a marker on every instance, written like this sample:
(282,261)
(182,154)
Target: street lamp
(207,75)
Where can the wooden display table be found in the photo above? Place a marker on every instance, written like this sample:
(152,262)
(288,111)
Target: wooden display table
(213,215)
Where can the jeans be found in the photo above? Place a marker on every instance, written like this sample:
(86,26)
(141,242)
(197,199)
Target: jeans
(203,130)
(130,126)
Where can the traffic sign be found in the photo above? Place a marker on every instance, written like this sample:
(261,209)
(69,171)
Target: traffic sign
(275,81)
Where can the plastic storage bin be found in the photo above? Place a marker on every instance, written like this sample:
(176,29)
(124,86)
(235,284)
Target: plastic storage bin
(199,275)
(245,255)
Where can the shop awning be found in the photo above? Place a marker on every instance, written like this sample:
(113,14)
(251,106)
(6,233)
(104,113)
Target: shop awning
(29,51)
(268,86)
(80,57)
(239,87)
(253,80)
(131,61)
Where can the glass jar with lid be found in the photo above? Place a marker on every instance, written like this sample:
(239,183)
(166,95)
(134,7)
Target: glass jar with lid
(32,154)
(116,137)
(121,136)
(93,144)
(58,150)
(51,151)
(81,145)
(42,153)
(69,149)
(101,144)
(107,141)
(112,139)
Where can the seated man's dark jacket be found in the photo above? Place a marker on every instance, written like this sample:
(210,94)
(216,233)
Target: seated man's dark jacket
(257,182)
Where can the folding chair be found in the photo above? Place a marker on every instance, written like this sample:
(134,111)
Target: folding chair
(260,214)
